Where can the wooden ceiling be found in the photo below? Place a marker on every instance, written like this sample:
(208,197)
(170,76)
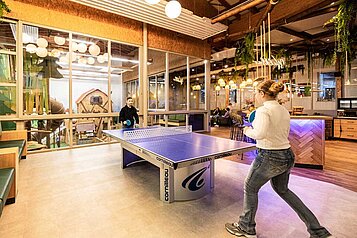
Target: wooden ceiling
(295,24)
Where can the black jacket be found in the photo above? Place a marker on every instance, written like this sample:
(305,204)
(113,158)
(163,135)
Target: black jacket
(129,113)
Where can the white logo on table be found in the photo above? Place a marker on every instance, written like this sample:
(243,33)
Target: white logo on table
(166,184)
(194,182)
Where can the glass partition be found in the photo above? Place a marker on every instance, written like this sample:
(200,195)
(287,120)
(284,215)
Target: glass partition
(157,92)
(89,75)
(46,70)
(47,134)
(90,130)
(197,84)
(124,67)
(178,82)
(156,73)
(7,68)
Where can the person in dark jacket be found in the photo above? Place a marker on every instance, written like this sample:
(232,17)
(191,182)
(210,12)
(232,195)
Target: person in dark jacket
(128,112)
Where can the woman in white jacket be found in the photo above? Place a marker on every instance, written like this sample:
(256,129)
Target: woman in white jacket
(273,163)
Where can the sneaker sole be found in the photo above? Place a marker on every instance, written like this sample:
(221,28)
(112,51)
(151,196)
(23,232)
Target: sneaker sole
(240,235)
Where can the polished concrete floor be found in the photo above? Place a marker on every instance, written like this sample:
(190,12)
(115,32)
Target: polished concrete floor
(85,193)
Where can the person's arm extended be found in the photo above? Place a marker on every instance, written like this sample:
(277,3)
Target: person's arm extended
(261,124)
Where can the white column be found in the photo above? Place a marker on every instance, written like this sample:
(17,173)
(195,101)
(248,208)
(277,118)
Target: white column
(188,89)
(144,85)
(207,94)
(167,87)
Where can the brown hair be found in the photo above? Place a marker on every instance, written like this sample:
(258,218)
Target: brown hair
(271,88)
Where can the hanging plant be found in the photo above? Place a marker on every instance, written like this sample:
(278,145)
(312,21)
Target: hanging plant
(245,52)
(328,57)
(343,24)
(3,8)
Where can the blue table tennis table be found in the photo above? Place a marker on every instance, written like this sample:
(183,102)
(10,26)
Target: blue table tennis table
(185,159)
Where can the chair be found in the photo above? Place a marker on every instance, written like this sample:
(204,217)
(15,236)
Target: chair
(236,133)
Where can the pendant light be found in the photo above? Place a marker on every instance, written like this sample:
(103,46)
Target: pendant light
(173,9)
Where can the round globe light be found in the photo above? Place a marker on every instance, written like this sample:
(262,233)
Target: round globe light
(152,1)
(74,56)
(231,82)
(42,42)
(59,40)
(90,60)
(249,81)
(106,56)
(82,60)
(218,88)
(101,59)
(227,86)
(198,87)
(82,47)
(41,52)
(94,50)
(74,46)
(173,9)
(63,59)
(31,48)
(55,53)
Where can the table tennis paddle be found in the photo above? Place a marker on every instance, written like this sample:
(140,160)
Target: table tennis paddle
(128,122)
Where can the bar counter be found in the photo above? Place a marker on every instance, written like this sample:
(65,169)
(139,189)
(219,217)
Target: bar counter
(307,139)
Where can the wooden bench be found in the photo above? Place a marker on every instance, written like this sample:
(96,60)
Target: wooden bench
(12,148)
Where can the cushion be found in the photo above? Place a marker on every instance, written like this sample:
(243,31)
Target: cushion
(13,143)
(6,179)
(7,176)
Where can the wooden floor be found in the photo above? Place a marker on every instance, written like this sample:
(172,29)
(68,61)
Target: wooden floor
(340,162)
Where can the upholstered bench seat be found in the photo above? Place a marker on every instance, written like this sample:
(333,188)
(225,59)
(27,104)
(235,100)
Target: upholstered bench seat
(7,176)
(14,143)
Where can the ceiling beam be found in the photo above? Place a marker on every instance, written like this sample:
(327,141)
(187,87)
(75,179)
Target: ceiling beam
(236,10)
(282,11)
(225,4)
(303,35)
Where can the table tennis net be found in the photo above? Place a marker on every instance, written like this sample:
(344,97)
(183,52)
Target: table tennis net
(156,132)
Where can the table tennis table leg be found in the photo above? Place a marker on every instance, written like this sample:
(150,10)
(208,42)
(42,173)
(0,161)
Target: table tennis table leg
(166,184)
(212,174)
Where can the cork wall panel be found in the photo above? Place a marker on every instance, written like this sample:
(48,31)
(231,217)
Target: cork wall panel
(163,39)
(63,14)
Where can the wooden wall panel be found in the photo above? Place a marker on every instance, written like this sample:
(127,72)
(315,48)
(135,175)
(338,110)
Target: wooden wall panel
(163,39)
(307,139)
(66,15)
(75,17)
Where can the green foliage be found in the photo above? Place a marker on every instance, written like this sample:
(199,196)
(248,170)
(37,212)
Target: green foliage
(328,57)
(345,32)
(245,52)
(3,8)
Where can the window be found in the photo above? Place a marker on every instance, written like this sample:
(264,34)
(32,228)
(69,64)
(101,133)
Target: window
(45,71)
(178,82)
(326,86)
(7,68)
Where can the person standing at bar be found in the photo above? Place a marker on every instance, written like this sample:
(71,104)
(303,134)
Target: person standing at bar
(128,114)
(273,163)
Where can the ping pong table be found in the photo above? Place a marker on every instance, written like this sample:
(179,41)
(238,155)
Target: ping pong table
(185,159)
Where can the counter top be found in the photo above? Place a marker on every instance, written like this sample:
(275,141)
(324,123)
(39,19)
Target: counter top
(312,117)
(348,118)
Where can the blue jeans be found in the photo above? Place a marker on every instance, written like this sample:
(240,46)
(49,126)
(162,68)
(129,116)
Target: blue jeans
(275,165)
